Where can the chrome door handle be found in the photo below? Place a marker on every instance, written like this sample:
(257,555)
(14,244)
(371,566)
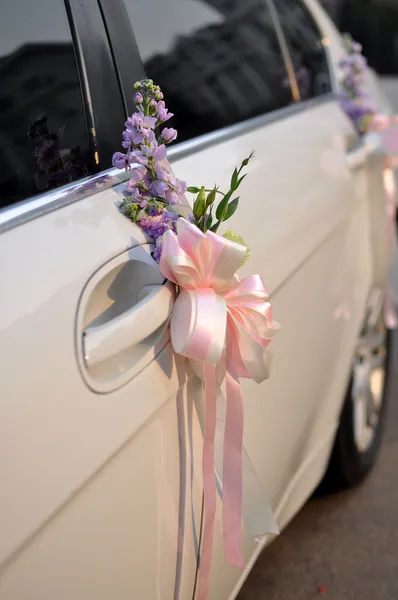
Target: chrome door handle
(358,157)
(101,342)
(122,318)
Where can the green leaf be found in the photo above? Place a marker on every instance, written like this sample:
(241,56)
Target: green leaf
(209,221)
(234,179)
(140,214)
(193,190)
(199,207)
(129,208)
(246,161)
(232,206)
(240,180)
(234,237)
(211,197)
(215,227)
(222,207)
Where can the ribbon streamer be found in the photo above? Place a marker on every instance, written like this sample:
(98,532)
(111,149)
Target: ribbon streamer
(225,323)
(387,127)
(257,514)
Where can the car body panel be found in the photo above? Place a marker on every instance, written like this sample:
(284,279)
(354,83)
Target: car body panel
(313,252)
(57,434)
(102,493)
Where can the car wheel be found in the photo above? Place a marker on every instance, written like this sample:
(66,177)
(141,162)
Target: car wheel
(360,432)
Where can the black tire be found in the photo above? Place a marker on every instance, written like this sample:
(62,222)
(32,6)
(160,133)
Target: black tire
(349,466)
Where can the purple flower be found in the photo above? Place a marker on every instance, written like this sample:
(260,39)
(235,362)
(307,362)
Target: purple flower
(139,129)
(137,136)
(138,99)
(357,62)
(354,98)
(159,188)
(135,175)
(120,160)
(169,134)
(157,253)
(152,224)
(162,112)
(149,182)
(171,217)
(139,157)
(357,109)
(155,225)
(167,186)
(133,191)
(156,152)
(140,120)
(128,138)
(159,153)
(146,181)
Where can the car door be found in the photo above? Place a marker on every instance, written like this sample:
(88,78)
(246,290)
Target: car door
(375,161)
(95,431)
(236,83)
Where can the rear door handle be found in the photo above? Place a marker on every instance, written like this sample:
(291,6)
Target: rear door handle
(102,342)
(357,158)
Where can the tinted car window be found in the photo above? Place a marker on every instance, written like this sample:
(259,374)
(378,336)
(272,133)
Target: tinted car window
(306,48)
(218,62)
(43,134)
(374,25)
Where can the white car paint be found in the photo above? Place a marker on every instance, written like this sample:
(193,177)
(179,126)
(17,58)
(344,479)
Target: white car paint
(96,498)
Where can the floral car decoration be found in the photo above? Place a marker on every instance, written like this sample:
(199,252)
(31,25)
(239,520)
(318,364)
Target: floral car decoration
(221,323)
(367,119)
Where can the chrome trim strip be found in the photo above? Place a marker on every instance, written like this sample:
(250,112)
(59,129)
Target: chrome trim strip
(27,210)
(326,46)
(332,68)
(32,208)
(287,59)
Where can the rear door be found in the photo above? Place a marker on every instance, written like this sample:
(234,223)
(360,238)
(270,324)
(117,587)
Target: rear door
(94,462)
(235,84)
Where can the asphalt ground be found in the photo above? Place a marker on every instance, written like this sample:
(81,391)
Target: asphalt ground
(344,545)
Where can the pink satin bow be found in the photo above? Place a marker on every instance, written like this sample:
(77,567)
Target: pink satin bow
(225,323)
(387,127)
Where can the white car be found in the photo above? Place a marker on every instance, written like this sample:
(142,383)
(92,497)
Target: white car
(100,425)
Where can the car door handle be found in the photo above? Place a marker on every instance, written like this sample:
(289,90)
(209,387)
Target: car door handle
(131,328)
(358,157)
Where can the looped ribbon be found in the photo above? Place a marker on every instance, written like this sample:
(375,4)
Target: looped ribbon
(223,324)
(387,127)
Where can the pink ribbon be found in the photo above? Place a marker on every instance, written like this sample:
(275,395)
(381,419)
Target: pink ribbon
(387,127)
(225,323)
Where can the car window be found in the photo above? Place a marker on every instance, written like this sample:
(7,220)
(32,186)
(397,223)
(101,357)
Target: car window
(44,141)
(218,63)
(306,48)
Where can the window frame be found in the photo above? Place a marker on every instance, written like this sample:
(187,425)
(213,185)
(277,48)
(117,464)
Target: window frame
(93,55)
(325,45)
(126,45)
(116,48)
(126,56)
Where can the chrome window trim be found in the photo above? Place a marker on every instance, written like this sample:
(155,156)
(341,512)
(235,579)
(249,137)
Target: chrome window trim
(325,42)
(38,206)
(332,67)
(326,46)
